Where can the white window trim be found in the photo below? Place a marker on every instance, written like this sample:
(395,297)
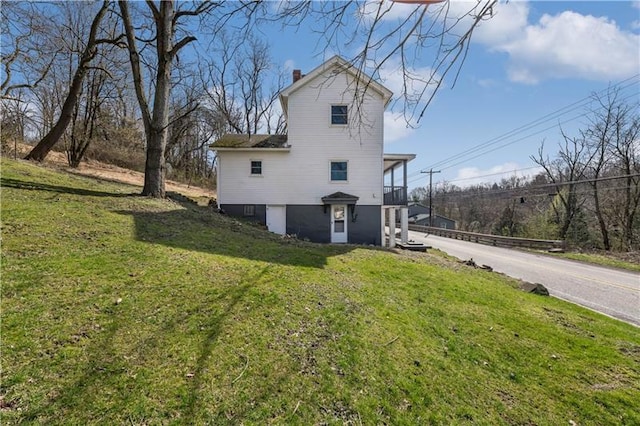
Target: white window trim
(338,161)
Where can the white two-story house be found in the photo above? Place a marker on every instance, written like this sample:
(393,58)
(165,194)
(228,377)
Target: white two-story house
(324,180)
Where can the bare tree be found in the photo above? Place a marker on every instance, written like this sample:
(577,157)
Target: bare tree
(191,130)
(25,53)
(14,114)
(85,117)
(625,148)
(243,84)
(100,102)
(166,19)
(564,172)
(598,136)
(441,31)
(40,151)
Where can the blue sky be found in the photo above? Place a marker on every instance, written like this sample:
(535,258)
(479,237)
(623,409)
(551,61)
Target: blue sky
(532,59)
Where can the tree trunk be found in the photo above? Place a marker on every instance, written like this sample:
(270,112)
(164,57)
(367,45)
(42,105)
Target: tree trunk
(154,169)
(606,243)
(156,125)
(629,210)
(567,215)
(40,151)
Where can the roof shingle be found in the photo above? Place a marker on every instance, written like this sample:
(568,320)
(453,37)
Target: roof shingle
(251,141)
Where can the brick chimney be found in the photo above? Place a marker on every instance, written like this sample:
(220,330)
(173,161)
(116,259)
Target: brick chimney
(297,75)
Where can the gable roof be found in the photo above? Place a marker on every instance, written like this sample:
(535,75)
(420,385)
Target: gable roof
(342,65)
(239,142)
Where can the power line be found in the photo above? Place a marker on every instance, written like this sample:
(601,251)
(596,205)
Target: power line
(487,175)
(494,174)
(517,193)
(489,191)
(523,138)
(548,117)
(517,140)
(622,85)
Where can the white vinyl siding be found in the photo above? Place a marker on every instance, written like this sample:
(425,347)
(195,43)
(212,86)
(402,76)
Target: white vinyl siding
(302,175)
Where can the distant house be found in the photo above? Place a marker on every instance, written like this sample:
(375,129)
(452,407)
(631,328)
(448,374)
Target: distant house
(420,215)
(324,180)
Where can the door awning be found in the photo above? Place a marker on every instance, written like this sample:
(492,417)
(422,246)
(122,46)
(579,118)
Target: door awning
(340,198)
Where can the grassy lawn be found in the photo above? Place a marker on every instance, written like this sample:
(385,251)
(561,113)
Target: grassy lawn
(600,259)
(118,309)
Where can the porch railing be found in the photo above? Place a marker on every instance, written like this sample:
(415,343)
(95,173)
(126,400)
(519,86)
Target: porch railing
(395,196)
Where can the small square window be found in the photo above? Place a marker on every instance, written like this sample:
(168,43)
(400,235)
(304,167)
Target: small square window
(249,210)
(339,114)
(256,167)
(338,170)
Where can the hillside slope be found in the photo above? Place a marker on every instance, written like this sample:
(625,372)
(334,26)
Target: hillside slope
(113,173)
(122,309)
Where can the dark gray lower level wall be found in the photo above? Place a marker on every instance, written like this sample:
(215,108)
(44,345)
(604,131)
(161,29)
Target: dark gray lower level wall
(237,210)
(314,222)
(366,229)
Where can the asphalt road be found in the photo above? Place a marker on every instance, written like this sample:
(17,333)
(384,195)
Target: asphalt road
(610,291)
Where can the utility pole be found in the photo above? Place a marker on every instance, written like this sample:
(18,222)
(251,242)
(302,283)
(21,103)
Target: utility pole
(431,172)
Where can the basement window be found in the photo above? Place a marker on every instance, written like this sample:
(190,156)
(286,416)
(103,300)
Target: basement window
(249,210)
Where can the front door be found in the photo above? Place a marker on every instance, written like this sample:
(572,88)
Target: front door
(338,223)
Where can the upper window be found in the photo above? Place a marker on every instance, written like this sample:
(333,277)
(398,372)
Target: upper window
(338,170)
(256,167)
(339,114)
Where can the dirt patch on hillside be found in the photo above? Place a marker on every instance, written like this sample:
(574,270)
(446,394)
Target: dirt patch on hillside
(114,173)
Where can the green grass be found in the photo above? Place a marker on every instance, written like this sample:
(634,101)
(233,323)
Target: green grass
(600,259)
(122,309)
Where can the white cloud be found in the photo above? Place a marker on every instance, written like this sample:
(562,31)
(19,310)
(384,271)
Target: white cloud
(409,98)
(394,77)
(570,45)
(395,127)
(508,22)
(487,83)
(289,65)
(565,45)
(453,10)
(468,176)
(386,10)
